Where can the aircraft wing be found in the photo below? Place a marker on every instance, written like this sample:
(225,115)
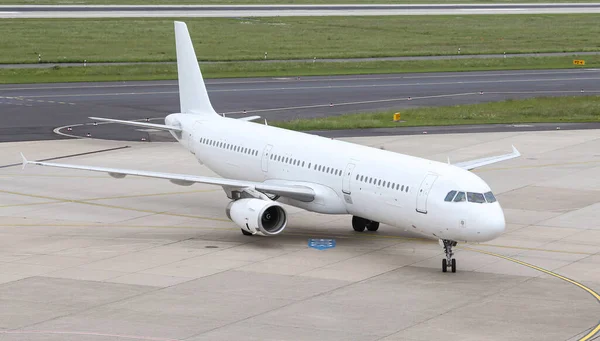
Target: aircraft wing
(468,165)
(138,124)
(301,193)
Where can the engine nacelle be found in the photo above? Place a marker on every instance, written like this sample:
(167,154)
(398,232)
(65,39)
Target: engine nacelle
(257,215)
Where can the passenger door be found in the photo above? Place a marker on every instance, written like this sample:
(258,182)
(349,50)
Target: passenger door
(265,158)
(423,192)
(347,178)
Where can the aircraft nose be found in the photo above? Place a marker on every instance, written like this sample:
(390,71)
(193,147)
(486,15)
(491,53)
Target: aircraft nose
(495,224)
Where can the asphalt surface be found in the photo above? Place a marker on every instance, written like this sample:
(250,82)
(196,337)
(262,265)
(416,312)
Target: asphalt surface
(108,11)
(332,60)
(33,112)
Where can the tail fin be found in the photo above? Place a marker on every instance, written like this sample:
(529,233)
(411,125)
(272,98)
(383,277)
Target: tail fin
(193,97)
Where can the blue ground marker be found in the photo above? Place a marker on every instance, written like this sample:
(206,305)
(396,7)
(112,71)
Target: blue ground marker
(321,244)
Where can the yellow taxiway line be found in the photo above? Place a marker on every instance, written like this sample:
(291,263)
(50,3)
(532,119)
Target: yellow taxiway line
(594,330)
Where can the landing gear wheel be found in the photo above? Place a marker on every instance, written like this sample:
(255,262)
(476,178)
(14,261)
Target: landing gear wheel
(246,233)
(449,260)
(373,226)
(358,224)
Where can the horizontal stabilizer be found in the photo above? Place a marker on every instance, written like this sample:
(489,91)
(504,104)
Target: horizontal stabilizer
(138,124)
(249,118)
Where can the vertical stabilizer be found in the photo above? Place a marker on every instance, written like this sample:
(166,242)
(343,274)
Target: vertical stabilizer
(193,97)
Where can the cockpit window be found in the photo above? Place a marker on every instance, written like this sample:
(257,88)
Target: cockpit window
(450,196)
(489,197)
(475,197)
(460,197)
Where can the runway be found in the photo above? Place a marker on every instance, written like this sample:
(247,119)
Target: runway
(37,110)
(124,11)
(87,257)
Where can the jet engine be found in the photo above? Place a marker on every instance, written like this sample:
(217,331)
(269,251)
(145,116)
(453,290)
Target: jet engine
(257,215)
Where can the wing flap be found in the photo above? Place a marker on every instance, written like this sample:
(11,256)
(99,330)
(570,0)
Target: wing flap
(302,193)
(469,165)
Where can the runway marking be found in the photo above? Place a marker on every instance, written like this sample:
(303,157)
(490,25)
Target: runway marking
(353,103)
(594,330)
(320,79)
(83,202)
(321,87)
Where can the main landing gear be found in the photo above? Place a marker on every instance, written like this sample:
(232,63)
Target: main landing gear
(448,261)
(360,224)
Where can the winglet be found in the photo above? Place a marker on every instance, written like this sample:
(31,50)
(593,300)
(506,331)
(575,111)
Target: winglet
(516,151)
(24,160)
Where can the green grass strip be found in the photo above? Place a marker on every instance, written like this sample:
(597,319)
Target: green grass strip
(535,110)
(222,39)
(285,69)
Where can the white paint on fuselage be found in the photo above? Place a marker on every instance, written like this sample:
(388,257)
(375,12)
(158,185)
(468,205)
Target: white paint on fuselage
(277,155)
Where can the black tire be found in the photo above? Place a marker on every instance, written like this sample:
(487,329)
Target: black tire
(246,233)
(359,224)
(444,265)
(373,226)
(453,265)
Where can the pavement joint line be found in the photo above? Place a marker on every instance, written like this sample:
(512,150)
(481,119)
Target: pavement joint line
(595,329)
(537,166)
(112,198)
(80,333)
(299,233)
(75,201)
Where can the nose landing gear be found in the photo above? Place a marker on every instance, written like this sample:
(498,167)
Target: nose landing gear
(449,261)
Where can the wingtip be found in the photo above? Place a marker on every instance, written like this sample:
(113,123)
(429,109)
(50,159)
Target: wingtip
(24,160)
(516,151)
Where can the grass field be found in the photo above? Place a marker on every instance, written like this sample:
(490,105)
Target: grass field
(535,110)
(251,2)
(73,40)
(254,69)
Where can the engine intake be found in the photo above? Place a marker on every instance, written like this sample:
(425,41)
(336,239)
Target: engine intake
(257,215)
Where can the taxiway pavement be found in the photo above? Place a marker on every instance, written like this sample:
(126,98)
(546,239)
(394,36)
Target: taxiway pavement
(35,110)
(86,257)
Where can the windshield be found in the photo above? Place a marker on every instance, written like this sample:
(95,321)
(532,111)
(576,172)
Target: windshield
(489,197)
(475,197)
(450,196)
(478,198)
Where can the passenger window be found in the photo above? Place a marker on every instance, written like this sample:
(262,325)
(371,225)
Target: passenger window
(406,189)
(475,197)
(450,196)
(489,197)
(379,183)
(402,188)
(460,197)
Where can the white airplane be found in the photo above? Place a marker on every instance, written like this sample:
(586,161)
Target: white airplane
(263,166)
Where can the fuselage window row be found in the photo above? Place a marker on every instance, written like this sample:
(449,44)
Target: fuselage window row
(228,146)
(299,163)
(378,182)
